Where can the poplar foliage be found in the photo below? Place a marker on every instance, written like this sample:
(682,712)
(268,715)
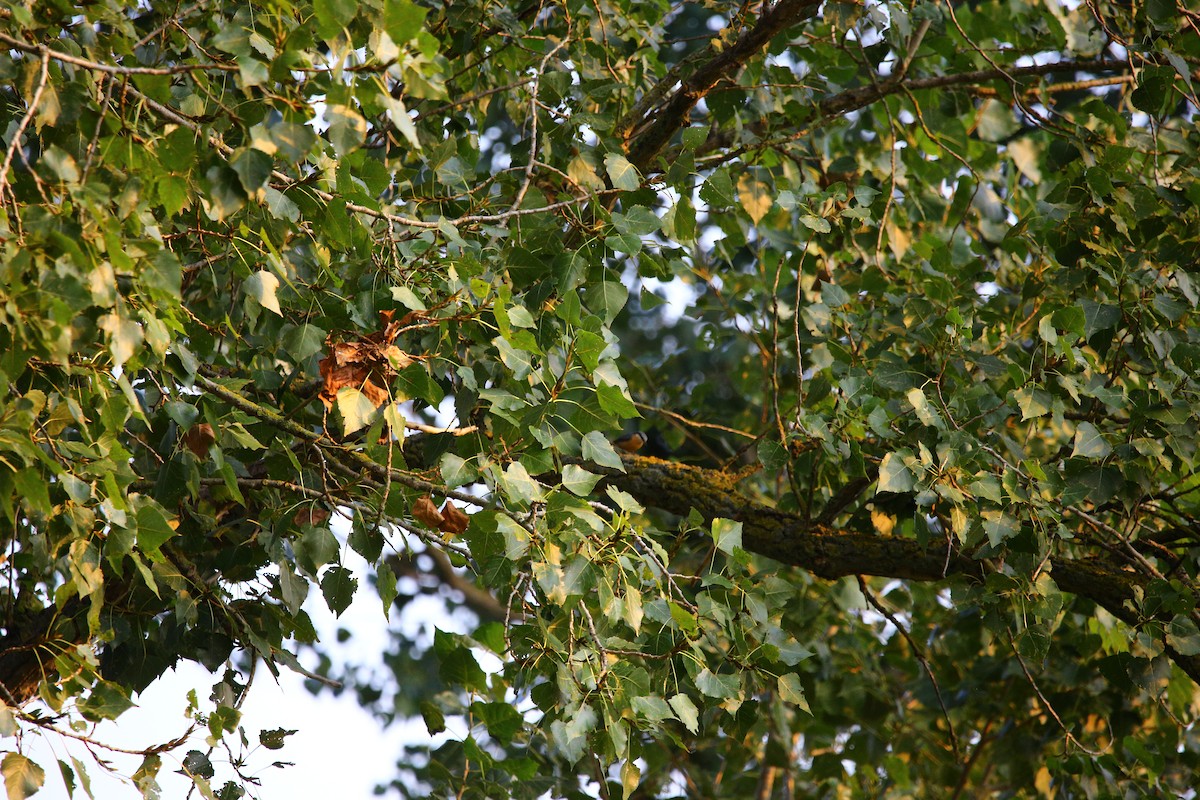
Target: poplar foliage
(903,295)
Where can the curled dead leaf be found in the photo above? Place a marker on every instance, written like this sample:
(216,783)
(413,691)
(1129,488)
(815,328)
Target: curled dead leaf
(425,511)
(199,438)
(368,365)
(454,521)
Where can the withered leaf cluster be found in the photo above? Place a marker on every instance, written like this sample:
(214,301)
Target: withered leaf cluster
(449,520)
(368,364)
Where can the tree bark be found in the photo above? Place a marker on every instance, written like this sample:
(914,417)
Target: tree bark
(649,129)
(830,553)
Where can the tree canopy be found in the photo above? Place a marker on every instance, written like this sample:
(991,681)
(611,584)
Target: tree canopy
(902,293)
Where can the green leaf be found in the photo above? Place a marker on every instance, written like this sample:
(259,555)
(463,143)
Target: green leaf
(107,701)
(894,476)
(999,527)
(293,140)
(686,620)
(253,168)
(722,687)
(686,711)
(68,777)
(402,19)
(578,480)
(607,299)
(652,708)
(338,585)
(727,534)
(516,538)
(153,530)
(385,583)
(520,485)
(292,588)
(772,455)
(456,471)
(347,129)
(815,223)
(1098,316)
(274,739)
(458,665)
(502,720)
(333,16)
(225,196)
(1033,401)
(315,548)
(196,763)
(717,190)
(1184,636)
(614,400)
(1089,442)
(598,449)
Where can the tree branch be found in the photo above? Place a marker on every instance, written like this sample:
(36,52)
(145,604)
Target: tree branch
(859,97)
(830,553)
(645,137)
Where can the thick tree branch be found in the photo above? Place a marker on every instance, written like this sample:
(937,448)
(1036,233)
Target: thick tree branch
(842,103)
(859,97)
(830,553)
(649,134)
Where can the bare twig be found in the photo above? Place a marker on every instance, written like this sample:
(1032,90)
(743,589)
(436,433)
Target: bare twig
(15,144)
(917,654)
(111,69)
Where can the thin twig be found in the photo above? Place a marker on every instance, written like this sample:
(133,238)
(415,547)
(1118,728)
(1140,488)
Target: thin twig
(919,655)
(15,144)
(286,181)
(533,126)
(111,69)
(1046,703)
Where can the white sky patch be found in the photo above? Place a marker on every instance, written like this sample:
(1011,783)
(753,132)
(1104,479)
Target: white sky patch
(365,752)
(679,295)
(709,237)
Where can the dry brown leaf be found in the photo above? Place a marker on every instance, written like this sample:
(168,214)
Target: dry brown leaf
(199,438)
(365,365)
(454,520)
(311,515)
(425,511)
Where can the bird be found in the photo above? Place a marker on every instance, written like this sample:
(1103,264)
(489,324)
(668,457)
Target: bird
(630,442)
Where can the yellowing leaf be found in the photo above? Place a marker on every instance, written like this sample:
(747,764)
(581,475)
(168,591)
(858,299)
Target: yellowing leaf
(790,691)
(398,114)
(22,777)
(622,174)
(262,286)
(357,411)
(580,171)
(631,776)
(125,337)
(755,197)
